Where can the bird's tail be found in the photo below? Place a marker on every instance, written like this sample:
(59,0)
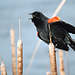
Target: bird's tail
(72,45)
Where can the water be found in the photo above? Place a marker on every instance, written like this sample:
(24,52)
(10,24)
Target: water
(10,11)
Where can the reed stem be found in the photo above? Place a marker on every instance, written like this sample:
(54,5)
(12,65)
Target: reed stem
(52,56)
(19,54)
(61,67)
(3,68)
(12,34)
(19,58)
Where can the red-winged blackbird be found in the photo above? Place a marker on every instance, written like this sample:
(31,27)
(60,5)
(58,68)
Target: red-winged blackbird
(59,30)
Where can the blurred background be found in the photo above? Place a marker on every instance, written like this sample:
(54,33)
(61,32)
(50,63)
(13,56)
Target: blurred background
(11,11)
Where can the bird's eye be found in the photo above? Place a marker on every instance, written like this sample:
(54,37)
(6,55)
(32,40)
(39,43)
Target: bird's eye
(34,13)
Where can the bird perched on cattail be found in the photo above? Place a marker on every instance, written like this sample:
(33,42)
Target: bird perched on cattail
(59,30)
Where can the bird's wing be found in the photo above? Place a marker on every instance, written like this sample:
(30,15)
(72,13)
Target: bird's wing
(69,28)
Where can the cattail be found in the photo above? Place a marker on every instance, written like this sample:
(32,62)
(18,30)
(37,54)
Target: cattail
(3,68)
(61,67)
(12,34)
(52,56)
(19,54)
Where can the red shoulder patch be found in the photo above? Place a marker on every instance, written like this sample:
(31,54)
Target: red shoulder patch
(37,33)
(54,19)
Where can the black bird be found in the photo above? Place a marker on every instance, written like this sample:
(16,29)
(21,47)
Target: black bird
(59,30)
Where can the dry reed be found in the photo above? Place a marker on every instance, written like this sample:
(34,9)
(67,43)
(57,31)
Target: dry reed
(19,54)
(12,34)
(61,67)
(52,56)
(3,68)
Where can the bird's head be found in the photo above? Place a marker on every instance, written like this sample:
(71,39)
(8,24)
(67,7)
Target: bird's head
(37,17)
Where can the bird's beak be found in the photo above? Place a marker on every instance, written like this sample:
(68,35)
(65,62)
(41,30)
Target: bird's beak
(32,15)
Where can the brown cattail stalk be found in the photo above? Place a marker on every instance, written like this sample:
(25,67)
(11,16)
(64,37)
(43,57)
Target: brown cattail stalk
(3,68)
(61,67)
(52,56)
(19,54)
(12,34)
(52,59)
